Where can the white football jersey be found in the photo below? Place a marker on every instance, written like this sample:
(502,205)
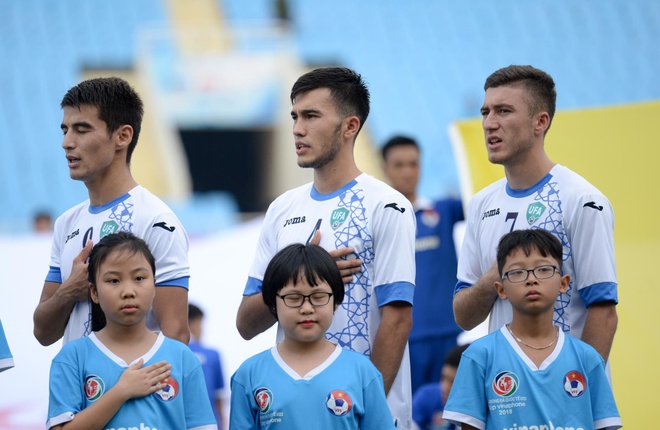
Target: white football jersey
(379,223)
(137,211)
(569,207)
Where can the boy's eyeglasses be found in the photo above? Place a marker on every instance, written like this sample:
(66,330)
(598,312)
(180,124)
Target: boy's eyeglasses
(521,275)
(296,300)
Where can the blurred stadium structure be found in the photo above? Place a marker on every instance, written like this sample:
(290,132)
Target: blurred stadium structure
(215,77)
(216,142)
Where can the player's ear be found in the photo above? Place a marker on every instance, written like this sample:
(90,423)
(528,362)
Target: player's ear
(499,287)
(124,136)
(542,122)
(351,127)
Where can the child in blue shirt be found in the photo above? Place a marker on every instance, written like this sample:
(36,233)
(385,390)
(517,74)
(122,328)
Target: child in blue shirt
(529,374)
(123,375)
(306,381)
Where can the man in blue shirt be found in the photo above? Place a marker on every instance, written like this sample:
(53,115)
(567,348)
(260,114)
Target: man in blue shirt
(434,330)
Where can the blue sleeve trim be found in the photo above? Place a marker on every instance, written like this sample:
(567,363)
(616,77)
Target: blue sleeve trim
(396,292)
(179,282)
(54,275)
(460,285)
(601,292)
(252,287)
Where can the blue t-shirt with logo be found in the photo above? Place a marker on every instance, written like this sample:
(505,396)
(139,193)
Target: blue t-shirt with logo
(85,369)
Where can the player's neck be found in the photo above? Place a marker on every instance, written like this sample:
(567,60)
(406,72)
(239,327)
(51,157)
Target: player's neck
(525,173)
(106,188)
(127,342)
(336,173)
(326,183)
(303,357)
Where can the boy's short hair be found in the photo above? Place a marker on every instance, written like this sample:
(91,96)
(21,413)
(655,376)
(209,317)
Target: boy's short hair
(120,241)
(194,312)
(396,141)
(116,101)
(294,261)
(453,357)
(347,89)
(527,240)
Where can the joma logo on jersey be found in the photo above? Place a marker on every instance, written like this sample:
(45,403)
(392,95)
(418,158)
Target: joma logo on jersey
(490,213)
(294,220)
(338,217)
(108,227)
(72,235)
(534,212)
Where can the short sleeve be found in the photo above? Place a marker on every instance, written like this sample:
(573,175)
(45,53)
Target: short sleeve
(242,415)
(266,249)
(394,250)
(591,231)
(168,242)
(65,398)
(376,411)
(196,401)
(467,399)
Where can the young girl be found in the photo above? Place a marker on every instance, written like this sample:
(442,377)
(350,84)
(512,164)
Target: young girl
(124,375)
(306,381)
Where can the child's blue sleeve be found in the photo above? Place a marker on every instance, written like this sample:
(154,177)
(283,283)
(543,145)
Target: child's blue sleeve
(376,411)
(242,415)
(66,393)
(196,403)
(605,413)
(467,398)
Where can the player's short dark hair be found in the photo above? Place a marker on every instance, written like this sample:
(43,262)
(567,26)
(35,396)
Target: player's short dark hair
(539,87)
(116,101)
(453,357)
(295,261)
(120,241)
(397,141)
(527,240)
(194,312)
(347,89)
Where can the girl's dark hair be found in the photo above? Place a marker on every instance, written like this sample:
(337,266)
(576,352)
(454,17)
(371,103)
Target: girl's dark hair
(294,261)
(527,240)
(120,241)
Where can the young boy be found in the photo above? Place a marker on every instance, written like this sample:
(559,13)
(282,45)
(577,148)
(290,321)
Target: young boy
(429,400)
(529,374)
(124,375)
(306,381)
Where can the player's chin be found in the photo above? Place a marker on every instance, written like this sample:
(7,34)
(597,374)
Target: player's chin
(496,158)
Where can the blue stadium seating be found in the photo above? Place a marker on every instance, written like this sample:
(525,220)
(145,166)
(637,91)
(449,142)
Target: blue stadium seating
(240,11)
(425,62)
(44,46)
